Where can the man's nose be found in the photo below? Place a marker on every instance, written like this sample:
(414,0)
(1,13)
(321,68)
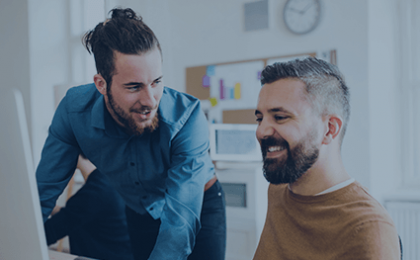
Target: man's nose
(264,130)
(147,97)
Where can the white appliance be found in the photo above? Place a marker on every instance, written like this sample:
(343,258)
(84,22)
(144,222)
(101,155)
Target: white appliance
(238,161)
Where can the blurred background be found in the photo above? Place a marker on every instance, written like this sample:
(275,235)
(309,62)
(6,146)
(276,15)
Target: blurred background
(375,44)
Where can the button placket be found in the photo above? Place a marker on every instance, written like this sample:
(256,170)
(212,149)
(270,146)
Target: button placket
(133,162)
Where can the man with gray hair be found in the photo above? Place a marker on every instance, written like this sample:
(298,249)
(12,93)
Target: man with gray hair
(315,209)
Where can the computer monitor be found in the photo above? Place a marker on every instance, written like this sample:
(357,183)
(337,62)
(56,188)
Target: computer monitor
(21,226)
(234,142)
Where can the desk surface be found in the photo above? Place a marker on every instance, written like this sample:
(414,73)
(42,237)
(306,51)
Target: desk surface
(54,255)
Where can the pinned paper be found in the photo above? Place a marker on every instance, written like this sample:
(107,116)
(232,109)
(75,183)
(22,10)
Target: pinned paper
(210,70)
(259,75)
(237,92)
(222,89)
(206,81)
(213,101)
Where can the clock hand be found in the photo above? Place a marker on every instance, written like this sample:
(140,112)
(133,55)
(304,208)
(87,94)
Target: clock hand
(294,10)
(306,8)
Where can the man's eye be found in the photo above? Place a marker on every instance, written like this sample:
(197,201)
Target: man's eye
(279,118)
(133,88)
(158,81)
(259,119)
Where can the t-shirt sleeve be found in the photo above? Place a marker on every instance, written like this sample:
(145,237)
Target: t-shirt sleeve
(373,240)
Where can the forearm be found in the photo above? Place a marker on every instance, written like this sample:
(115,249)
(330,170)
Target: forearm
(177,233)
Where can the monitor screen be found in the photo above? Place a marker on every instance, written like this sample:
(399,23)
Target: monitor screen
(234,142)
(21,228)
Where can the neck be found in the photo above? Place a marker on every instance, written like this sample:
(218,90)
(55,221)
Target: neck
(322,175)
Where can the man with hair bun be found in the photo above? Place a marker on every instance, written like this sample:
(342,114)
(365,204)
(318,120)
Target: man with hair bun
(315,209)
(149,140)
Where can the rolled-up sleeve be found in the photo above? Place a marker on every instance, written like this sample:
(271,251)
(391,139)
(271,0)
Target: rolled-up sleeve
(190,169)
(58,160)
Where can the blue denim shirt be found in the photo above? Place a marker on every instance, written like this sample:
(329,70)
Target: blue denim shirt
(162,173)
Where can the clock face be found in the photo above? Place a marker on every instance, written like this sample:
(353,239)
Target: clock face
(302,16)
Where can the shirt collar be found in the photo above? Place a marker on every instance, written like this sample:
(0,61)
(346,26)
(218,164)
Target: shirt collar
(102,119)
(98,113)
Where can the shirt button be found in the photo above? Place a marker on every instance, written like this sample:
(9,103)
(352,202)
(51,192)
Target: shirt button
(151,208)
(137,183)
(132,164)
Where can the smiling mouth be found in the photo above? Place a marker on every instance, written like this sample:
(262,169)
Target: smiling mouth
(143,115)
(144,112)
(272,149)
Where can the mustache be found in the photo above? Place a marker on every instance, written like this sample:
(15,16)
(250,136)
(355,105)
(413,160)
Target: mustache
(271,141)
(143,109)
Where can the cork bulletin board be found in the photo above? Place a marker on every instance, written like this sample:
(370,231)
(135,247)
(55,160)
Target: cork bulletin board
(229,91)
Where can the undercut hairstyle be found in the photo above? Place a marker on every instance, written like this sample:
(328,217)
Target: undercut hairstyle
(325,85)
(124,32)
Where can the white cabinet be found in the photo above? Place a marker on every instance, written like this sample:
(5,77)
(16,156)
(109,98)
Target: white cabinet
(246,206)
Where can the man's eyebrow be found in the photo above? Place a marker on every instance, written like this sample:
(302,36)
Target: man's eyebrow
(278,109)
(140,83)
(159,78)
(134,84)
(273,110)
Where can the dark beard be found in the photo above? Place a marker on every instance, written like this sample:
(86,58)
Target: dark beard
(298,161)
(128,122)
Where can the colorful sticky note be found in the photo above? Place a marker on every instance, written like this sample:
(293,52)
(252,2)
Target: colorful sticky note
(206,81)
(211,70)
(213,101)
(237,88)
(222,89)
(259,75)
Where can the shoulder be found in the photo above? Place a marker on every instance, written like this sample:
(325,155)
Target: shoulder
(364,204)
(374,236)
(363,213)
(79,98)
(176,108)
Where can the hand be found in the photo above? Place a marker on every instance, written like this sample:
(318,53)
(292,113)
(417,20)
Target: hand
(55,210)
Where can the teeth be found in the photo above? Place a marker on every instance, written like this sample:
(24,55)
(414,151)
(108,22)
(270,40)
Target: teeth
(144,112)
(275,148)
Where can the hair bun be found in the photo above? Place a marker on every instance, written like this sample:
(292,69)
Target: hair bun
(127,13)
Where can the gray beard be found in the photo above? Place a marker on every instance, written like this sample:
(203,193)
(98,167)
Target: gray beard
(299,160)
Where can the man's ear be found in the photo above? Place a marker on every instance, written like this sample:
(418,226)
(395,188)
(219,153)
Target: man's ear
(333,128)
(100,83)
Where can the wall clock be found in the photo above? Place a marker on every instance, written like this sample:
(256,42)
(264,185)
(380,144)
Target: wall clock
(302,16)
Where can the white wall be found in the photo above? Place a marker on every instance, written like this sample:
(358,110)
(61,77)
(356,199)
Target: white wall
(384,99)
(14,52)
(49,61)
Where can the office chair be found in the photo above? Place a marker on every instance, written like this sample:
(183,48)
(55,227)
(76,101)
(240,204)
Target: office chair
(401,247)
